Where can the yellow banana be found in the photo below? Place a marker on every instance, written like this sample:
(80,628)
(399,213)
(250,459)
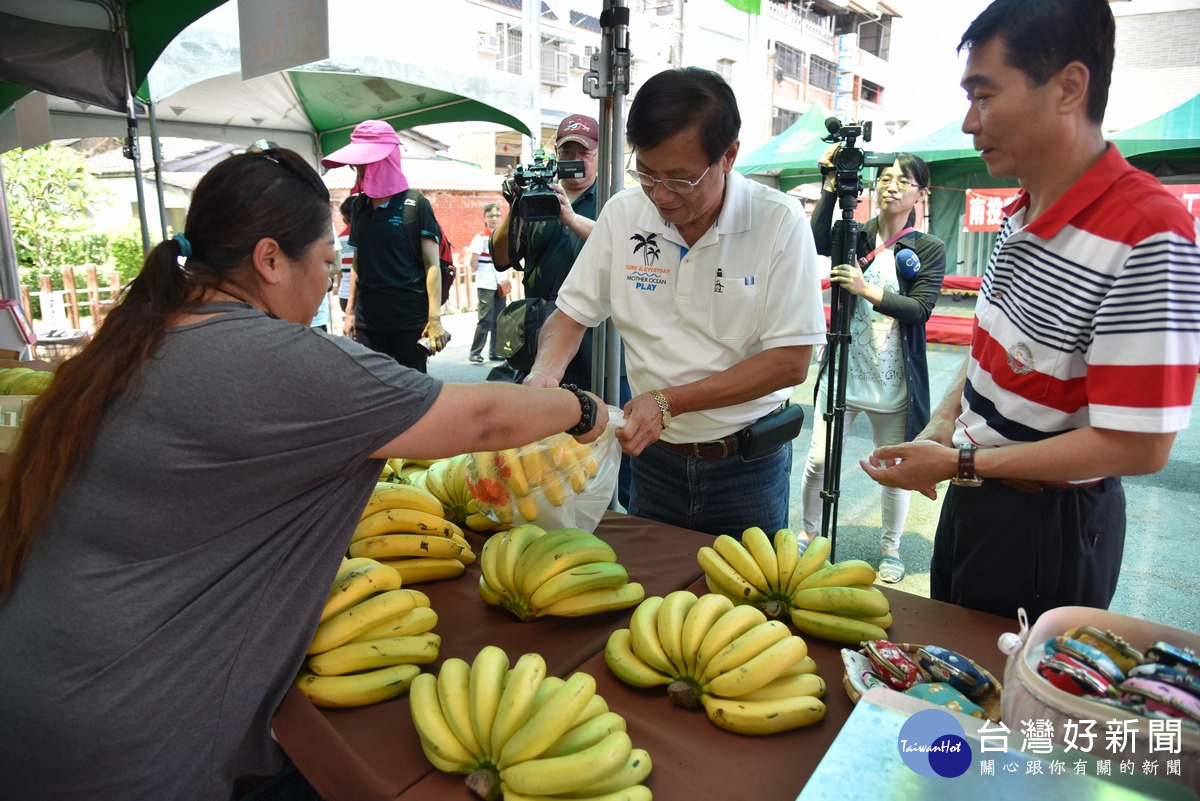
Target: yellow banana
(386,473)
(415,649)
(842,599)
(805,665)
(348,566)
(487,685)
(527,508)
(745,646)
(638,792)
(548,543)
(426,568)
(835,628)
(403,521)
(359,585)
(570,554)
(728,627)
(707,610)
(417,620)
(533,463)
(478,521)
(435,479)
(628,666)
(884,621)
(726,577)
(740,560)
(545,690)
(635,771)
(554,489)
(403,496)
(761,549)
(438,740)
(585,734)
(598,575)
(344,627)
(595,706)
(454,696)
(593,602)
(490,594)
(841,574)
(810,562)
(787,554)
(520,690)
(715,589)
(643,636)
(511,548)
(763,717)
(358,689)
(554,719)
(489,563)
(510,467)
(562,774)
(403,546)
(788,686)
(760,670)
(669,625)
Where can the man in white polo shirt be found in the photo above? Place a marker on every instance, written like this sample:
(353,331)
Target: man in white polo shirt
(712,282)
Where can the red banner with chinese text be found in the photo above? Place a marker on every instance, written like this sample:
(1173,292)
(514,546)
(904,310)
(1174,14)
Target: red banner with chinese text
(985,208)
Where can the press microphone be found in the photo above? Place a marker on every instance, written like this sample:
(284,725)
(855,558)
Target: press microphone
(907,263)
(833,124)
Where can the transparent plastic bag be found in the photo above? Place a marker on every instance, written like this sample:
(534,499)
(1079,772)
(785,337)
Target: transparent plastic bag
(555,482)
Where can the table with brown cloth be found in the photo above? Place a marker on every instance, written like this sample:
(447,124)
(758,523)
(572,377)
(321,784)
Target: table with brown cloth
(372,753)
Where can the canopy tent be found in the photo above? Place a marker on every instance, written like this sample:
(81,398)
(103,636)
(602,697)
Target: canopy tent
(791,157)
(1168,145)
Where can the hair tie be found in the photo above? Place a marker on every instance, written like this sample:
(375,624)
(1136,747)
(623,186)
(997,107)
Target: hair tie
(185,247)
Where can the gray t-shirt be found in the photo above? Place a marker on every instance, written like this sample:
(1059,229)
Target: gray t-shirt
(168,604)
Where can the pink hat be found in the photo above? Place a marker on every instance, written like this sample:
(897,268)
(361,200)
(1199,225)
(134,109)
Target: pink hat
(371,141)
(375,144)
(578,128)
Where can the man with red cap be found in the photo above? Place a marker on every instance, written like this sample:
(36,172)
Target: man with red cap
(395,291)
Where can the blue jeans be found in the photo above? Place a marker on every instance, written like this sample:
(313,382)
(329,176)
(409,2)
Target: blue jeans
(715,496)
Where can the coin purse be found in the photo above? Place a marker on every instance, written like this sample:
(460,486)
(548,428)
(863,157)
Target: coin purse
(896,667)
(954,669)
(860,671)
(1116,647)
(1184,659)
(1074,677)
(1158,696)
(1169,675)
(943,694)
(1089,655)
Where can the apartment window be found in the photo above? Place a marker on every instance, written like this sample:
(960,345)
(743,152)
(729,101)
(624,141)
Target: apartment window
(783,120)
(556,64)
(509,58)
(872,92)
(725,69)
(875,37)
(789,62)
(821,73)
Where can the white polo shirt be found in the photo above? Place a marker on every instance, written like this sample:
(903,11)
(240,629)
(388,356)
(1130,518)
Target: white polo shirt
(750,283)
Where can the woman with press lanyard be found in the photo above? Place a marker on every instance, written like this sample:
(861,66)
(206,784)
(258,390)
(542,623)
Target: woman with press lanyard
(182,495)
(898,278)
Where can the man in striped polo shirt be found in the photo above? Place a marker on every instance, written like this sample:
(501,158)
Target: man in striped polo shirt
(1087,332)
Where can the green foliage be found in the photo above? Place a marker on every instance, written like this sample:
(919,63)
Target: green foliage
(125,250)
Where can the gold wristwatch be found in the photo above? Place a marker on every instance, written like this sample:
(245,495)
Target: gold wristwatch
(663,406)
(966,476)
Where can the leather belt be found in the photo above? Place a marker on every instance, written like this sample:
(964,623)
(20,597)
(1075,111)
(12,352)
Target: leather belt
(1038,487)
(718,449)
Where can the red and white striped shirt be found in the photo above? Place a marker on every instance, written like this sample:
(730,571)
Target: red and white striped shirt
(1088,316)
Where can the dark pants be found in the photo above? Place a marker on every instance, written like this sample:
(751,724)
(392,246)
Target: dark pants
(488,310)
(400,345)
(998,548)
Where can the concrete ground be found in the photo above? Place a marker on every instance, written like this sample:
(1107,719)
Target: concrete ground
(1162,508)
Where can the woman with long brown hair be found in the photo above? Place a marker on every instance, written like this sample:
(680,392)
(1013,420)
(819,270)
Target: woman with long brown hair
(181,497)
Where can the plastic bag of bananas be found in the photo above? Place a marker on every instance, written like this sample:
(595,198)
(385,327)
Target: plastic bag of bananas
(750,674)
(555,482)
(371,640)
(835,602)
(517,733)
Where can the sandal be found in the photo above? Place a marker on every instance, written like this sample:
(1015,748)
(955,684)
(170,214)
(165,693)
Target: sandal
(891,570)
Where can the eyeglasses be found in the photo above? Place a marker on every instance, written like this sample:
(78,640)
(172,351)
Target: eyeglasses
(902,183)
(307,175)
(680,186)
(571,154)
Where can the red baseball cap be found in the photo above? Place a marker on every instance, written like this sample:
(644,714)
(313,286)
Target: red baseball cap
(578,128)
(371,141)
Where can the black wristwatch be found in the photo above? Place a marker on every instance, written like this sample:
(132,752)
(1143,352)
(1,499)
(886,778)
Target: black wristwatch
(966,476)
(587,408)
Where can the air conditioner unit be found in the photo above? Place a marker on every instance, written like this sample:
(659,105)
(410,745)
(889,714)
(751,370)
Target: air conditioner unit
(489,42)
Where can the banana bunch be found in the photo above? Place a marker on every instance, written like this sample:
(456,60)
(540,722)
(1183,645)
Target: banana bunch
(371,640)
(516,485)
(567,572)
(392,470)
(519,734)
(403,526)
(751,674)
(446,480)
(834,602)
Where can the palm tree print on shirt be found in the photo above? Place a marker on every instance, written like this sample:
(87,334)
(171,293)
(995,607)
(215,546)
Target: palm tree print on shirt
(649,247)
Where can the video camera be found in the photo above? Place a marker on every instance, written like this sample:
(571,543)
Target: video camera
(849,160)
(535,200)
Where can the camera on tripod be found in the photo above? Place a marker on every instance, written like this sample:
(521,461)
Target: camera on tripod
(535,199)
(849,160)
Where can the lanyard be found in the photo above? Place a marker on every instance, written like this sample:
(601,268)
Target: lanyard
(865,261)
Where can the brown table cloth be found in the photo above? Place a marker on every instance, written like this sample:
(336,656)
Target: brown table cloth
(372,753)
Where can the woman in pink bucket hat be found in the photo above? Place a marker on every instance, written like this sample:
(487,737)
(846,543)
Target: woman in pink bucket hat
(395,292)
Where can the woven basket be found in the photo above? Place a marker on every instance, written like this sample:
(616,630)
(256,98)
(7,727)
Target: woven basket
(989,701)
